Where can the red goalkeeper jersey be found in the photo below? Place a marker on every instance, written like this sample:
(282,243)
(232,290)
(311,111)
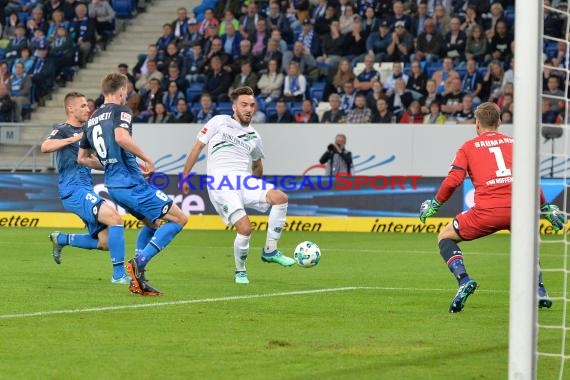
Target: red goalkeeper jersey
(488,160)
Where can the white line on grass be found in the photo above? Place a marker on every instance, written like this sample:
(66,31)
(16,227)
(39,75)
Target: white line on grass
(222,299)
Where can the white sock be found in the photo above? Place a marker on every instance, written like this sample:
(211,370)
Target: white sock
(277,217)
(241,249)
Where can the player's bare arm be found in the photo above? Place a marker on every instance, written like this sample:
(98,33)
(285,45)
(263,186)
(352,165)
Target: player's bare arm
(51,145)
(85,158)
(126,142)
(190,162)
(257,168)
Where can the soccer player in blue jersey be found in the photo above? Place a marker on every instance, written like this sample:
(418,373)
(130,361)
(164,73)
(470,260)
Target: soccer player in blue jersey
(76,191)
(108,133)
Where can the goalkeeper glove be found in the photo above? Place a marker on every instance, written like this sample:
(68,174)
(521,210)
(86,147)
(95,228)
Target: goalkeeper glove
(554,216)
(428,208)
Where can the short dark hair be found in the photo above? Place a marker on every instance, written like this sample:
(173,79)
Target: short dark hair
(70,96)
(245,90)
(112,82)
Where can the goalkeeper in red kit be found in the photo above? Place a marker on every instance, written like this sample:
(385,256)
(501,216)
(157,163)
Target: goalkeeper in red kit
(487,159)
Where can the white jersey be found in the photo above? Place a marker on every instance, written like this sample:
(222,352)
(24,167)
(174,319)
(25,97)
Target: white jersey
(231,146)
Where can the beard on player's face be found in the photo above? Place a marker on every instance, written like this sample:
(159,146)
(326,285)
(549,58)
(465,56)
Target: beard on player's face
(244,118)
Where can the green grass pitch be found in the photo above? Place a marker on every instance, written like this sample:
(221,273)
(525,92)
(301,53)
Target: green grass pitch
(379,310)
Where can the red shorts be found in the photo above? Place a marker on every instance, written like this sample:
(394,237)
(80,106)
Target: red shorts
(475,223)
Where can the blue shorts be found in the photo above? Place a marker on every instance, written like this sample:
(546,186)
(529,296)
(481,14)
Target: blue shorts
(142,201)
(85,204)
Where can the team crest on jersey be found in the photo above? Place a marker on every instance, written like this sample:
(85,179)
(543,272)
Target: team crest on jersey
(125,117)
(203,130)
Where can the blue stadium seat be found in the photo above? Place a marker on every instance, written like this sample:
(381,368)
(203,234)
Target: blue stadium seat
(270,109)
(296,107)
(193,91)
(124,9)
(317,90)
(224,108)
(433,67)
(510,18)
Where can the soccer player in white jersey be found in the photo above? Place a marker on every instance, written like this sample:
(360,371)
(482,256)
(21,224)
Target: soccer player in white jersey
(232,145)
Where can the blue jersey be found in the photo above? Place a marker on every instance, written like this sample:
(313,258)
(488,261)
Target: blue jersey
(121,168)
(71,175)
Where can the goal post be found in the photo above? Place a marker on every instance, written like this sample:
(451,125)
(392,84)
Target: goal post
(524,229)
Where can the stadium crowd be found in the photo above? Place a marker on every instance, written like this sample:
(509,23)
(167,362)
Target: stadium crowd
(414,61)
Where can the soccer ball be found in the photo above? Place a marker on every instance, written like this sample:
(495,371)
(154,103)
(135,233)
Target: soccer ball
(307,254)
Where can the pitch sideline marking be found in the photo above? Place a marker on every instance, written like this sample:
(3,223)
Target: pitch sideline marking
(221,299)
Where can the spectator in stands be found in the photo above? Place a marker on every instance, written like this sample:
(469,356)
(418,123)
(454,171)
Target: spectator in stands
(333,48)
(142,83)
(444,76)
(43,75)
(367,77)
(413,114)
(552,92)
(191,37)
(431,96)
(52,6)
(500,44)
(476,46)
(26,59)
(401,45)
(172,57)
(493,80)
(159,115)
(435,116)
(229,19)
(69,9)
(173,75)
(62,53)
(466,114)
(276,20)
(141,68)
(376,93)
(347,19)
(282,114)
(472,83)
(258,115)
(441,19)
(318,12)
(216,51)
(248,21)
(509,75)
(307,114)
(370,22)
(171,96)
(231,41)
(295,84)
(507,117)
(259,38)
(430,44)
(270,83)
(182,113)
(272,53)
(9,30)
(4,73)
(553,22)
(217,81)
(16,44)
(245,54)
(382,112)
(6,105)
(245,78)
(452,100)
(56,22)
(83,31)
(310,39)
(400,99)
(417,81)
(360,113)
(134,99)
(104,16)
(123,68)
(149,100)
(348,97)
(37,21)
(455,41)
(335,114)
(343,74)
(166,38)
(419,19)
(195,61)
(38,41)
(470,20)
(20,87)
(180,25)
(282,45)
(489,21)
(307,63)
(397,73)
(206,111)
(378,42)
(356,43)
(400,16)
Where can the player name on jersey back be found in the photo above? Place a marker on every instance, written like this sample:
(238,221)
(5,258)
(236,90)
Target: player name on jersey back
(95,120)
(491,143)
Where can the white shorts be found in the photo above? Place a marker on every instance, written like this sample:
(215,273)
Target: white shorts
(237,193)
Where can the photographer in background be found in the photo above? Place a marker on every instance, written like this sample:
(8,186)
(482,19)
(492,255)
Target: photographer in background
(337,158)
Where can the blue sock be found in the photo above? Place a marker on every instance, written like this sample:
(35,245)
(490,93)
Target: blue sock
(162,237)
(63,239)
(453,257)
(145,234)
(80,241)
(117,250)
